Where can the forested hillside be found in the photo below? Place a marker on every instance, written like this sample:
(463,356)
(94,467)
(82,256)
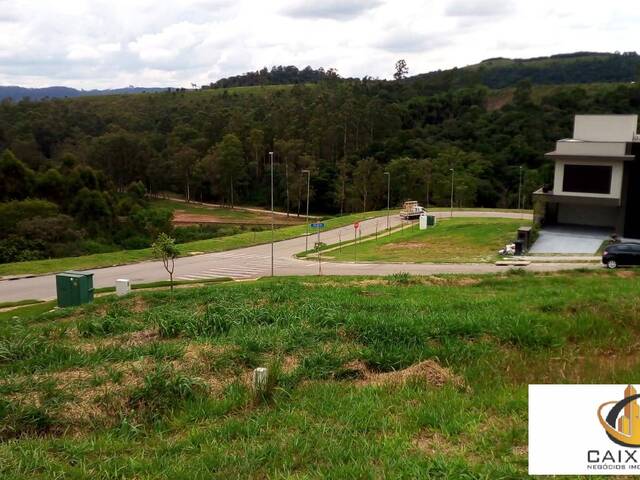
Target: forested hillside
(85,155)
(570,68)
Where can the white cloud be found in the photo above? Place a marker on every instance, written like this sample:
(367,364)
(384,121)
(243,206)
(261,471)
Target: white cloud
(335,9)
(111,43)
(480,8)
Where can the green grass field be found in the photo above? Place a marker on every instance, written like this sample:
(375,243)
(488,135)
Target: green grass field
(396,377)
(451,240)
(218,244)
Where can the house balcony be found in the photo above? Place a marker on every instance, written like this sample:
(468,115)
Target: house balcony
(573,198)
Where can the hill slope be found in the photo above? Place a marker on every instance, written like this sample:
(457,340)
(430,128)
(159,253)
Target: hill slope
(17,93)
(570,68)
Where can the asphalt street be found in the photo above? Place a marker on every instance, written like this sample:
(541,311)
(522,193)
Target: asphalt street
(255,262)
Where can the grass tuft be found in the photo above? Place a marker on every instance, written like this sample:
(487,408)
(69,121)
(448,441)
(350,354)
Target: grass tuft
(164,390)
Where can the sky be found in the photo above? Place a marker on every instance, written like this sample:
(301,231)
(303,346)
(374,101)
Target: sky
(156,43)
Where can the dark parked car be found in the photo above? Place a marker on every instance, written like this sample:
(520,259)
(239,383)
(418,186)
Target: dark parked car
(620,254)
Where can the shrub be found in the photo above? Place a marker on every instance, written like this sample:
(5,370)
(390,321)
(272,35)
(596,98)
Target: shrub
(12,213)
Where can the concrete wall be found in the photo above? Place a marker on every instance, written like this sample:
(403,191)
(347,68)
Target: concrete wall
(590,215)
(605,128)
(598,149)
(616,177)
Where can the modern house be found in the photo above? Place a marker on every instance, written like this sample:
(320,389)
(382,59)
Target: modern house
(597,177)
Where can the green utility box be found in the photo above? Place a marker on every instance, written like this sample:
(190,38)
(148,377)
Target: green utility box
(74,288)
(431,220)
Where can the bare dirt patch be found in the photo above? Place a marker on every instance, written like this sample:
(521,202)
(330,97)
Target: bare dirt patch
(428,371)
(133,339)
(138,305)
(182,218)
(401,245)
(625,273)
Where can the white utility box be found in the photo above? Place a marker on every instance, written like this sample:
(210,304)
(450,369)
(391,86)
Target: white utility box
(423,221)
(123,287)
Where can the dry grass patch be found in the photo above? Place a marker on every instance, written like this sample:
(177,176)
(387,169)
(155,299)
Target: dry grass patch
(428,371)
(435,443)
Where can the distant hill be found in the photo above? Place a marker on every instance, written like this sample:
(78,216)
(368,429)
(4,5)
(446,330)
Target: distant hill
(495,73)
(19,93)
(568,68)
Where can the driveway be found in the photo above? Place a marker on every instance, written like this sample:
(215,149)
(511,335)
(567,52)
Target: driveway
(569,239)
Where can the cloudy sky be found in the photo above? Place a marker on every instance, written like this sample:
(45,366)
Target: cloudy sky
(113,43)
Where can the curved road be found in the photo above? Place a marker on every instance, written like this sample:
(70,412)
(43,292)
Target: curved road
(254,262)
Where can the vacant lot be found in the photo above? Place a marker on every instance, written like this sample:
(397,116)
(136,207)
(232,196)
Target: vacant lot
(379,377)
(451,240)
(194,214)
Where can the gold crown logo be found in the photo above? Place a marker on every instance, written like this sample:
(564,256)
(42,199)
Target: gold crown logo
(622,423)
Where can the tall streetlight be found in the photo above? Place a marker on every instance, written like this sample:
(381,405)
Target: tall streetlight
(272,212)
(452,175)
(388,195)
(306,238)
(520,188)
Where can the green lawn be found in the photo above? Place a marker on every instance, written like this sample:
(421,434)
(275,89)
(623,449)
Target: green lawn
(218,244)
(451,240)
(396,377)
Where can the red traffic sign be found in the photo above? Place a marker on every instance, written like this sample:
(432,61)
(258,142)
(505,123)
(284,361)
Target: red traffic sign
(356,225)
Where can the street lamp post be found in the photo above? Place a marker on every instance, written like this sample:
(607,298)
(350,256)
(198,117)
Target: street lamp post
(306,239)
(520,188)
(452,175)
(272,212)
(388,196)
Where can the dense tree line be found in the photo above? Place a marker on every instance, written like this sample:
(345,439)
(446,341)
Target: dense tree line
(214,145)
(279,75)
(69,208)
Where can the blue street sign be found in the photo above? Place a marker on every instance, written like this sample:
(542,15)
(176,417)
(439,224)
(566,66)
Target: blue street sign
(317,225)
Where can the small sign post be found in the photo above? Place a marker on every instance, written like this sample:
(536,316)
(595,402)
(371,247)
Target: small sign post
(356,226)
(319,226)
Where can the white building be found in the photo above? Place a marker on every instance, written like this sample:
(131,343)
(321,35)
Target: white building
(597,177)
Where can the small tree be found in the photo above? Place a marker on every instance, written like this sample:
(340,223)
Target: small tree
(165,248)
(401,70)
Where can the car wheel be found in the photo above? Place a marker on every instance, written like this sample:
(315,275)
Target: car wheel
(612,264)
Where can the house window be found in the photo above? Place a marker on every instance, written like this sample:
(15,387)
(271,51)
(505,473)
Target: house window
(587,179)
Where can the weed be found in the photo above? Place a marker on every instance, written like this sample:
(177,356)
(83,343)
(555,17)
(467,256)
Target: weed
(164,390)
(400,278)
(103,326)
(18,420)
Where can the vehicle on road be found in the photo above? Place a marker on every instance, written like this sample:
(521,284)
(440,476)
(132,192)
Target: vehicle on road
(621,254)
(411,210)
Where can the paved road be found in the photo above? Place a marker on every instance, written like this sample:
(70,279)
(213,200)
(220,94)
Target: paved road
(254,262)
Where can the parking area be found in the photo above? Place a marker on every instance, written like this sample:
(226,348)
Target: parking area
(569,239)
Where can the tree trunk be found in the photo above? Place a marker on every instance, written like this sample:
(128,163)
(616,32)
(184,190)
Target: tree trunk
(344,140)
(428,184)
(286,181)
(231,192)
(342,196)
